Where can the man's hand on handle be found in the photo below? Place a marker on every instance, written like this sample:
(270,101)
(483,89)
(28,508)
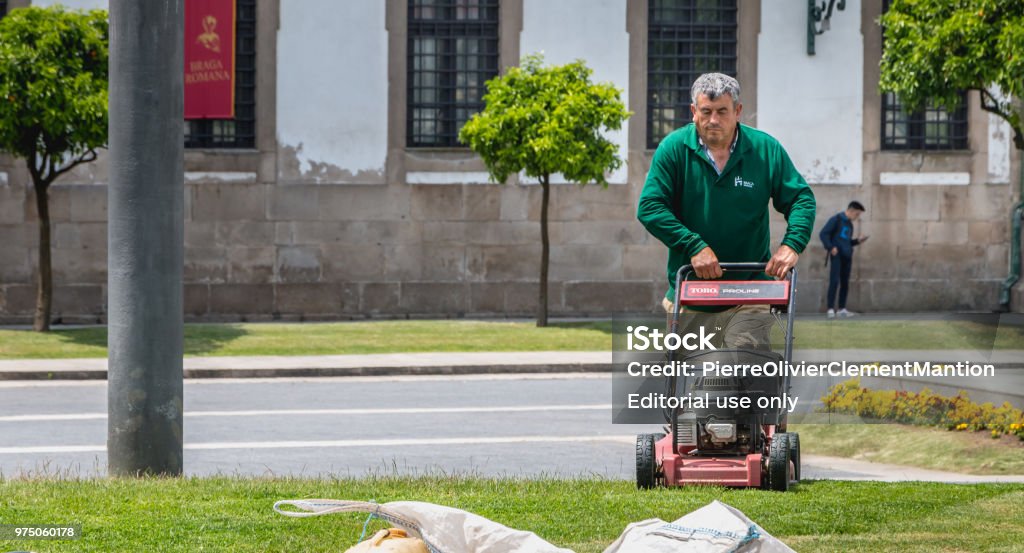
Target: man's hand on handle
(705,264)
(785,258)
(834,251)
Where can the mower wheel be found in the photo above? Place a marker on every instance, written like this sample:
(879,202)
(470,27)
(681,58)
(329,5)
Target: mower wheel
(794,454)
(778,463)
(646,464)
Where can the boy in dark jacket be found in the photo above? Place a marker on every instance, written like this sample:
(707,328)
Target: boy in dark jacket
(837,237)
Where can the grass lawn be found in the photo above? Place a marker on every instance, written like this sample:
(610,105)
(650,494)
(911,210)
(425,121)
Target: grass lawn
(916,446)
(228,514)
(467,335)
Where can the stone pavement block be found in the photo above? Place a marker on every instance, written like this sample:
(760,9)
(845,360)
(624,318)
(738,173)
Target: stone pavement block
(608,297)
(379,298)
(251,265)
(318,298)
(88,202)
(206,264)
(435,297)
(228,202)
(241,299)
(436,202)
(298,264)
(293,202)
(586,262)
(345,263)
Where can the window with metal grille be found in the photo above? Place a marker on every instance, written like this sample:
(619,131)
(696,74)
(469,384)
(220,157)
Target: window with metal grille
(930,128)
(3,8)
(239,132)
(685,38)
(452,52)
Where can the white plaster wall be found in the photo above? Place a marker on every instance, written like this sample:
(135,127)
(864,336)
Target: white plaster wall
(592,30)
(332,83)
(813,104)
(74,4)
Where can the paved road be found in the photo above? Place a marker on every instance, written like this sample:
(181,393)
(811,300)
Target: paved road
(491,425)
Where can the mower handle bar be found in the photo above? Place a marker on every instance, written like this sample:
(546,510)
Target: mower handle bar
(728,266)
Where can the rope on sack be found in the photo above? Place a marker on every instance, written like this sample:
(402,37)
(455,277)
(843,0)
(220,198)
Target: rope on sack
(366,524)
(317,507)
(752,534)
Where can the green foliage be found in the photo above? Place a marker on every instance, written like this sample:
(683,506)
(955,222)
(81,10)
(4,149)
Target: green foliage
(547,119)
(53,85)
(925,408)
(935,49)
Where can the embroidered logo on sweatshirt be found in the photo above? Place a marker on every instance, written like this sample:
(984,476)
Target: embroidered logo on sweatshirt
(744,183)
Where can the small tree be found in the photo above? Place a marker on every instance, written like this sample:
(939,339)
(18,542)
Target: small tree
(53,106)
(543,120)
(936,49)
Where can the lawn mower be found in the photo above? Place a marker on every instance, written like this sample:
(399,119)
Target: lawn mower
(736,446)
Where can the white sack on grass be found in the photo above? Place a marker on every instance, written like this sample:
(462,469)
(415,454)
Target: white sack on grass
(714,528)
(444,529)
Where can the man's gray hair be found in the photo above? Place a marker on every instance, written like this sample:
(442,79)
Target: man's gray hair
(715,85)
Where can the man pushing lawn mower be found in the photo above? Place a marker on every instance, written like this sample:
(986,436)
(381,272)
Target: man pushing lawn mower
(706,198)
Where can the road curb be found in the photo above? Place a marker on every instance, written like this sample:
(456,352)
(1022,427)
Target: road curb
(314,372)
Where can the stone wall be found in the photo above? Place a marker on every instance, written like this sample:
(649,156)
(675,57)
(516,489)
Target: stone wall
(261,251)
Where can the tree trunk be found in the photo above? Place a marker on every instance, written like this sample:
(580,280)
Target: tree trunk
(542,306)
(44,282)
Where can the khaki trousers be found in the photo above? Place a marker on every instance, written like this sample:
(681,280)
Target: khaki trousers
(743,326)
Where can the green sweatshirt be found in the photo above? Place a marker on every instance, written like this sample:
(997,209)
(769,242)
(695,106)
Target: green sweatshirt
(687,205)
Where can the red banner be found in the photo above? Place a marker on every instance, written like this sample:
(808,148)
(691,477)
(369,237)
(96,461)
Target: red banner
(209,59)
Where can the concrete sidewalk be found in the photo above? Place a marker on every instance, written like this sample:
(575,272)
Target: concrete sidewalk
(456,363)
(385,364)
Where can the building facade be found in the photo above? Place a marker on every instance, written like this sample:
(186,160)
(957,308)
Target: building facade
(339,190)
